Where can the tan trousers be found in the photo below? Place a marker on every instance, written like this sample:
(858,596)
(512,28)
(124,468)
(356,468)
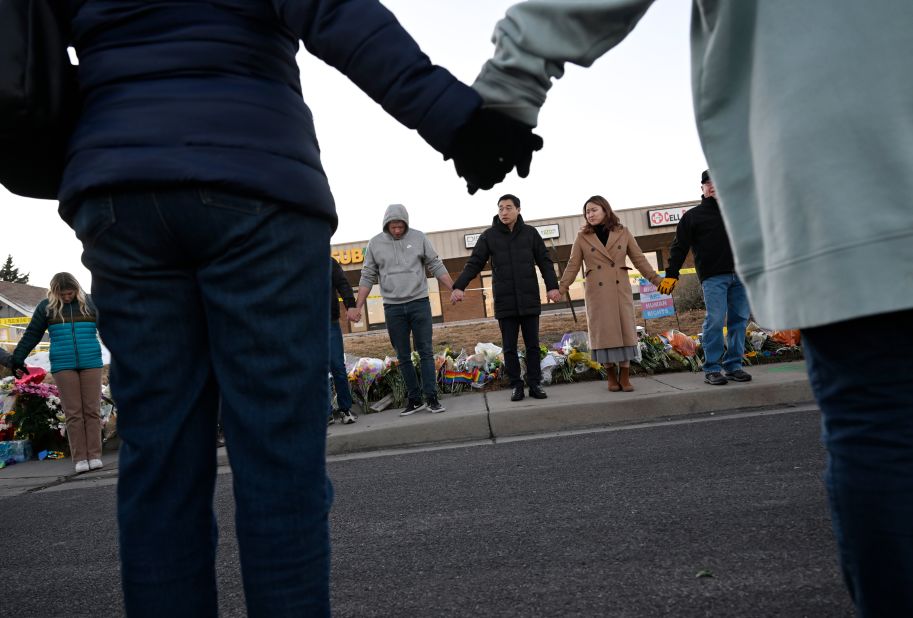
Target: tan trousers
(80,396)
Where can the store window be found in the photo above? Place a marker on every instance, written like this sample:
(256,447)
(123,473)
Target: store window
(635,274)
(434,295)
(375,306)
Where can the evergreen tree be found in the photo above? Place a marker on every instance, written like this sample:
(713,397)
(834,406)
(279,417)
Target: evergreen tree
(11,273)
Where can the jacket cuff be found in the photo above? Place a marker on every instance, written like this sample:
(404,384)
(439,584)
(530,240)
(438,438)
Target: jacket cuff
(447,115)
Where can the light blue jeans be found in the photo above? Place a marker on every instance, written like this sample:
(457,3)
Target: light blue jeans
(207,298)
(727,303)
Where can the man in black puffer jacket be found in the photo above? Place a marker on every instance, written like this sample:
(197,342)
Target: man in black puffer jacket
(515,249)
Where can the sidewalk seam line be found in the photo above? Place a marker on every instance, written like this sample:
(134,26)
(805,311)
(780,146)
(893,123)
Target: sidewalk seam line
(491,433)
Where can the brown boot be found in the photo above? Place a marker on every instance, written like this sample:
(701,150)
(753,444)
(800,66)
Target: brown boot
(623,380)
(612,374)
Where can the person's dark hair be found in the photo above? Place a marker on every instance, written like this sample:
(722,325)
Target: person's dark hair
(513,198)
(611,221)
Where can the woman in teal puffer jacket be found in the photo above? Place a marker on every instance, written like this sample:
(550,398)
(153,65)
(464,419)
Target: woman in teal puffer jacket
(68,316)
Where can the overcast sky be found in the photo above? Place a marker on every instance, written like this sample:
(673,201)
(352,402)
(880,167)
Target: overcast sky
(623,128)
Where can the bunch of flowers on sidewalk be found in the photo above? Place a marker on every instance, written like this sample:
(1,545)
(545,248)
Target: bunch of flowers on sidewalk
(566,361)
(31,410)
(36,414)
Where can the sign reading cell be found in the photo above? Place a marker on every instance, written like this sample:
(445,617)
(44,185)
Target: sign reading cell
(661,217)
(355,255)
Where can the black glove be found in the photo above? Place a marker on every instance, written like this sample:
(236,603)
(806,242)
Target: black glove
(16,366)
(488,147)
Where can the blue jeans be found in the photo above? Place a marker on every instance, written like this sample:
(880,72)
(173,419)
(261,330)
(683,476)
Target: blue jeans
(864,386)
(727,303)
(338,368)
(413,318)
(207,297)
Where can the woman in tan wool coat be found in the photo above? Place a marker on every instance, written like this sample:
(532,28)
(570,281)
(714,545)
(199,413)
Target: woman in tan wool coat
(601,247)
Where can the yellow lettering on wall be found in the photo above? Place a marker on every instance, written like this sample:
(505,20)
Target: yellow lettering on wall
(349,256)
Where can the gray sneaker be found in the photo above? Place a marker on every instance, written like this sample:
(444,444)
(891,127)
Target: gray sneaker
(435,407)
(716,378)
(413,407)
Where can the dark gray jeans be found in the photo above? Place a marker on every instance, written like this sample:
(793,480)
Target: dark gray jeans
(413,318)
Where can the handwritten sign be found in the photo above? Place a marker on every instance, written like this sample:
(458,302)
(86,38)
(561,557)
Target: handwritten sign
(653,304)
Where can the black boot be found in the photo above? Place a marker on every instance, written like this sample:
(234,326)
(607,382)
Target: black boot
(536,392)
(518,393)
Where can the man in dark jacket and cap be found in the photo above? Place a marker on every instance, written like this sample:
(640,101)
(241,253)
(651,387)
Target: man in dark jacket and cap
(340,289)
(701,229)
(515,250)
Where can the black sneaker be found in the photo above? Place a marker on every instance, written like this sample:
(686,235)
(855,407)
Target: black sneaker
(536,392)
(347,417)
(716,378)
(413,407)
(739,376)
(434,406)
(518,394)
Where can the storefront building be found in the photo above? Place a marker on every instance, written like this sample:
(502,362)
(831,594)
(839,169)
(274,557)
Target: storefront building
(653,226)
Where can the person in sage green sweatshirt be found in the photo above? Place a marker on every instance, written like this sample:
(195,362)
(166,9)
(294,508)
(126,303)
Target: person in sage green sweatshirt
(805,114)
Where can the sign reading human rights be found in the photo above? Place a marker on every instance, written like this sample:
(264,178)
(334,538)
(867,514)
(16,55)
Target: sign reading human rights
(653,304)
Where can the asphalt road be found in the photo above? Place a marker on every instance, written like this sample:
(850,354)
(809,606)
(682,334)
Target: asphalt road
(616,523)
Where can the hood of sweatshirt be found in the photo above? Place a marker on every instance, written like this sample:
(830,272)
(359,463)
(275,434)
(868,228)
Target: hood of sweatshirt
(396,212)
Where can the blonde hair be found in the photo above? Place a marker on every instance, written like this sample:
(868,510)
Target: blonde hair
(65,282)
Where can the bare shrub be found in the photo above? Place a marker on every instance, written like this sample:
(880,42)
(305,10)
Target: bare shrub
(688,294)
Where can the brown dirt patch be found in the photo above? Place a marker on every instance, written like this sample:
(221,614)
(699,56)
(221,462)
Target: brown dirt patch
(465,335)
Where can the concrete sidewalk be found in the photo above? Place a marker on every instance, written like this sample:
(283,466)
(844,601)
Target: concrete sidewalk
(473,416)
(479,416)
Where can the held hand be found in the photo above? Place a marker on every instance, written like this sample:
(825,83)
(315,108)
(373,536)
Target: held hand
(353,314)
(553,296)
(456,296)
(667,285)
(489,146)
(18,367)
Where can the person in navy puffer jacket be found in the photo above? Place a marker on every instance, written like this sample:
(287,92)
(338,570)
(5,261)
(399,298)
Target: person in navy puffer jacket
(68,316)
(194,182)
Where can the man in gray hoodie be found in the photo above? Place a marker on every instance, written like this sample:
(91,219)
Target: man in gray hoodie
(398,258)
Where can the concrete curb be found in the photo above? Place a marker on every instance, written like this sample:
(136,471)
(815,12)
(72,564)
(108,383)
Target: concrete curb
(465,420)
(489,416)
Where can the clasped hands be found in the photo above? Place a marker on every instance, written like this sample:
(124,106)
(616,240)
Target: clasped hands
(353,314)
(489,146)
(667,285)
(456,296)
